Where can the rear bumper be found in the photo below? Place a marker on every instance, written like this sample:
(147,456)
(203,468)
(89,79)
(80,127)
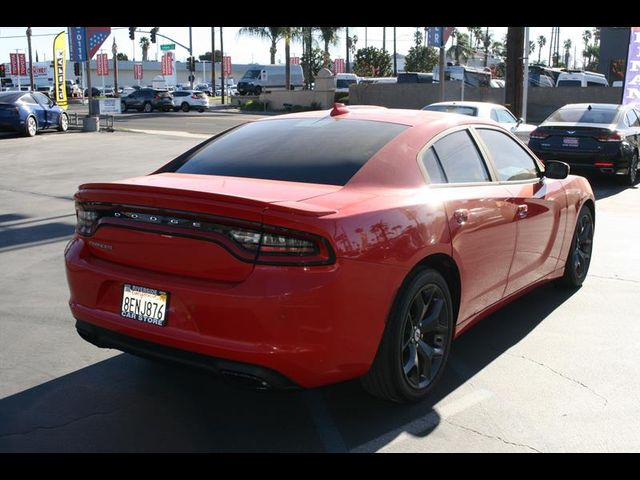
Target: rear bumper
(608,163)
(312,325)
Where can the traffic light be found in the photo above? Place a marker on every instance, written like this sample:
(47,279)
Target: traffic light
(76,69)
(191,64)
(154,30)
(3,72)
(132,33)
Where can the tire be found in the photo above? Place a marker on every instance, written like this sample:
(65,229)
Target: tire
(147,108)
(201,110)
(631,178)
(258,91)
(185,107)
(30,126)
(64,122)
(123,107)
(412,354)
(579,257)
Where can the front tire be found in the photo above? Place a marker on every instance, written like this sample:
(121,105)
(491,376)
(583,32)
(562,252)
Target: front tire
(64,123)
(185,107)
(579,258)
(147,108)
(631,178)
(416,342)
(30,127)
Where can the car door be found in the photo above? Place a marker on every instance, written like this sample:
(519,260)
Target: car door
(540,205)
(632,122)
(36,109)
(51,114)
(134,100)
(481,219)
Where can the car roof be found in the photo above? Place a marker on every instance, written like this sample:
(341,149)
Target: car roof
(602,106)
(469,104)
(11,96)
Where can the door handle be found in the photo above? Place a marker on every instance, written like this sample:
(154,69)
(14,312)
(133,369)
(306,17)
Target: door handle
(523,210)
(461,215)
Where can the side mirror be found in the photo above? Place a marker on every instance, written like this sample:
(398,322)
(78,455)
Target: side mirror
(520,120)
(556,170)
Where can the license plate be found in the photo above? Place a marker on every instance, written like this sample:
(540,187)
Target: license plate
(570,142)
(144,304)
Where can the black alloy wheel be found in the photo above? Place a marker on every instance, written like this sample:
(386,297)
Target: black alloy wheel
(185,107)
(579,258)
(416,342)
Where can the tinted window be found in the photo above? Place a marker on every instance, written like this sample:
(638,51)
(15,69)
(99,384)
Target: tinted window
(433,167)
(344,83)
(504,116)
(180,94)
(570,83)
(471,111)
(631,119)
(42,98)
(460,159)
(595,84)
(251,74)
(511,161)
(28,99)
(308,150)
(583,115)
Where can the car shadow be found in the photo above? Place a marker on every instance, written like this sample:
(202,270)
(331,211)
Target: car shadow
(129,404)
(22,234)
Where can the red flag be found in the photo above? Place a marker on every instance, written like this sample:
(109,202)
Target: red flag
(96,36)
(22,62)
(338,65)
(137,71)
(14,63)
(294,60)
(226,61)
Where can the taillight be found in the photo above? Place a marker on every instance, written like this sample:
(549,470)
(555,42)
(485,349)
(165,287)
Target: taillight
(157,97)
(87,221)
(539,134)
(610,137)
(195,97)
(289,247)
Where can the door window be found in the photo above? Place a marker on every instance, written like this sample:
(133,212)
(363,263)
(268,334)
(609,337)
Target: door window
(510,159)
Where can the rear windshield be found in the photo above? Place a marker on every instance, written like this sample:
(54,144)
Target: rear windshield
(570,83)
(583,115)
(307,150)
(471,111)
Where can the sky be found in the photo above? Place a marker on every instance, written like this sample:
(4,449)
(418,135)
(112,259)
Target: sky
(249,50)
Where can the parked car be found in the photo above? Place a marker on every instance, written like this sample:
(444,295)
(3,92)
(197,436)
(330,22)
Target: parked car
(574,78)
(94,92)
(203,87)
(343,80)
(415,77)
(28,112)
(47,90)
(186,100)
(147,100)
(596,137)
(495,112)
(283,252)
(108,92)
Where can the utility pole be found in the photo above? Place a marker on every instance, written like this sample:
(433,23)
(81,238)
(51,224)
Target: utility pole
(525,80)
(222,65)
(441,76)
(114,50)
(395,60)
(365,37)
(30,61)
(86,46)
(384,39)
(213,60)
(347,68)
(191,55)
(514,73)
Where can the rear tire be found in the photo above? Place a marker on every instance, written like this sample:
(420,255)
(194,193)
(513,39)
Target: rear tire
(64,122)
(579,257)
(258,91)
(631,178)
(30,127)
(416,341)
(147,108)
(185,107)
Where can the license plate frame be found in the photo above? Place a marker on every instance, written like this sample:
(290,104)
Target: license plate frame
(144,304)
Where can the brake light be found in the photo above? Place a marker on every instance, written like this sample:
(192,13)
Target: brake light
(157,97)
(86,221)
(610,137)
(538,134)
(194,96)
(603,164)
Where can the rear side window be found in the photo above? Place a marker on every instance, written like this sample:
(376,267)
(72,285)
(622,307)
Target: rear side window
(433,167)
(631,120)
(460,158)
(307,150)
(511,161)
(504,116)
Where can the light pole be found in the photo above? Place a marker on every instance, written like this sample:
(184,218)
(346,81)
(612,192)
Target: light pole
(114,50)
(191,55)
(30,62)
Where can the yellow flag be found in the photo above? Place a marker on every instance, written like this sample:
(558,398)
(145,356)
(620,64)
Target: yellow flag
(59,64)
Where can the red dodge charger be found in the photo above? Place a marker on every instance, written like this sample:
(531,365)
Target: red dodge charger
(307,249)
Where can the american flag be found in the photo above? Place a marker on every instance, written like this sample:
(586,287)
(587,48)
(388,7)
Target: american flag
(97,36)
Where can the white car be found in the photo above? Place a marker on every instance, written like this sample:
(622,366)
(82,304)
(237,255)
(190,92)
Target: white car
(186,100)
(495,112)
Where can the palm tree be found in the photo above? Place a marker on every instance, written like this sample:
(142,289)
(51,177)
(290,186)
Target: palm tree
(586,36)
(144,45)
(273,34)
(476,34)
(542,41)
(567,48)
(288,33)
(462,48)
(487,39)
(329,36)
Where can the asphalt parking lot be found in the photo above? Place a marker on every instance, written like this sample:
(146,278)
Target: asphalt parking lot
(555,371)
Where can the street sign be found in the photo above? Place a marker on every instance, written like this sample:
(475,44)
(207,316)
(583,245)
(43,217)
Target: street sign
(168,46)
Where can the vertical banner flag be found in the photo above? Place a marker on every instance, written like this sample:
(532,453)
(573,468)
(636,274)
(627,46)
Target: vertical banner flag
(169,63)
(163,65)
(434,39)
(137,71)
(631,90)
(102,64)
(77,50)
(59,65)
(97,36)
(226,62)
(14,64)
(294,60)
(338,65)
(22,64)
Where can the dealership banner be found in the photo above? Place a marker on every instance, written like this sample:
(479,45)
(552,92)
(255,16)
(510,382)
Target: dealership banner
(338,65)
(59,64)
(137,71)
(631,90)
(226,63)
(294,60)
(77,48)
(22,63)
(13,58)
(102,64)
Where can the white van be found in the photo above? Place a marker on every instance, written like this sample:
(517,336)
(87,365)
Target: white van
(343,80)
(581,79)
(269,77)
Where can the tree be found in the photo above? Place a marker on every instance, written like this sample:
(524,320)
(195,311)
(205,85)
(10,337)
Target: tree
(532,46)
(586,36)
(476,35)
(329,36)
(567,49)
(487,40)
(421,59)
(273,34)
(593,55)
(122,57)
(313,63)
(372,62)
(144,44)
(207,56)
(541,41)
(462,48)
